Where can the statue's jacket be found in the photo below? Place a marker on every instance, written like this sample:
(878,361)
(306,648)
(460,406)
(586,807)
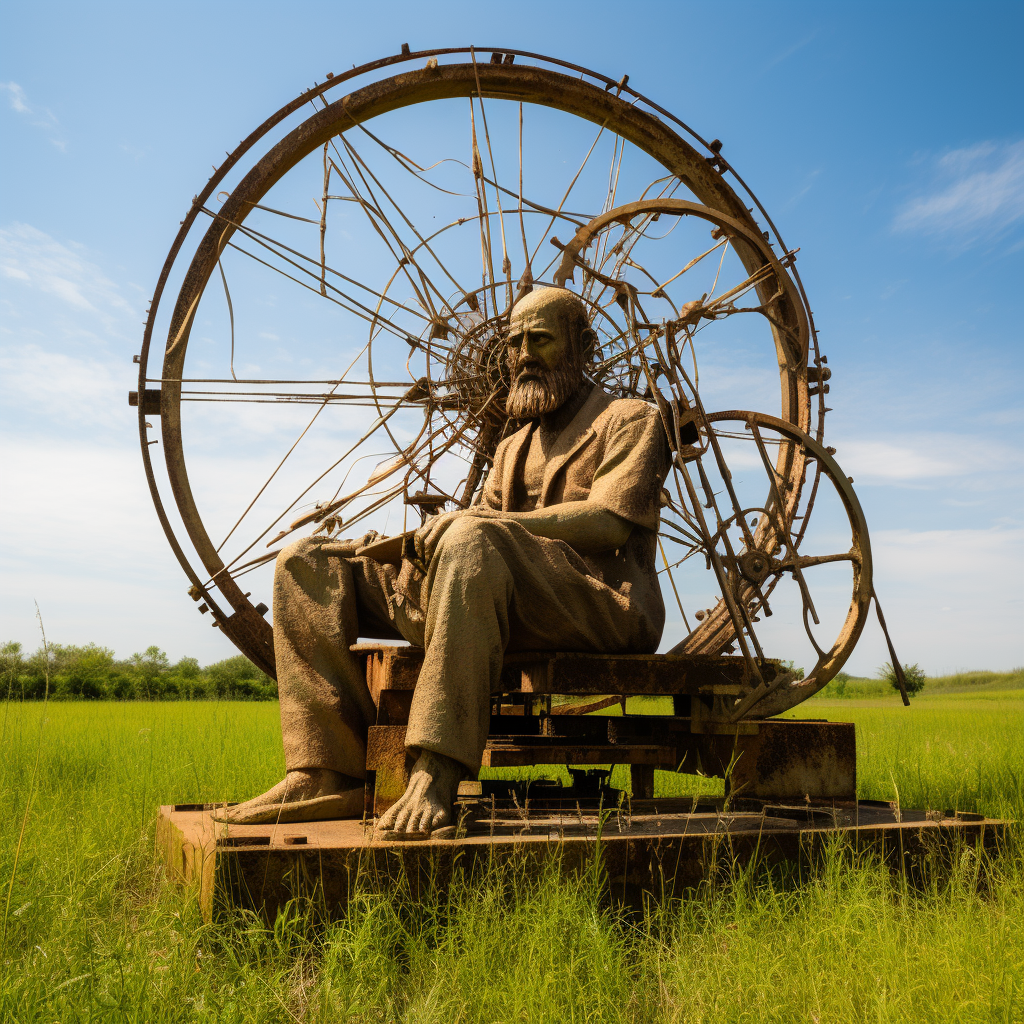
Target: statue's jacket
(613,452)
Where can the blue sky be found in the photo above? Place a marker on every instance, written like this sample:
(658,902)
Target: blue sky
(886,140)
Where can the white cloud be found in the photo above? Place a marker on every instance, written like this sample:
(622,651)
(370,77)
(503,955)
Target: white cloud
(981,557)
(16,96)
(80,536)
(40,117)
(93,392)
(913,458)
(34,260)
(950,596)
(977,190)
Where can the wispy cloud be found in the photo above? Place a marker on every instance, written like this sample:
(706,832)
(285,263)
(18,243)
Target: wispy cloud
(808,184)
(976,192)
(951,597)
(32,260)
(913,459)
(789,51)
(40,117)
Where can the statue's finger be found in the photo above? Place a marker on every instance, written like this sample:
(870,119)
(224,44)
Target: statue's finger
(429,544)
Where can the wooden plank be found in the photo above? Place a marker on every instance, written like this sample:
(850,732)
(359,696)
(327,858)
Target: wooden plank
(520,755)
(631,674)
(580,674)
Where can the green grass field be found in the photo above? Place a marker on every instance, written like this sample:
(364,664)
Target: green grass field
(91,932)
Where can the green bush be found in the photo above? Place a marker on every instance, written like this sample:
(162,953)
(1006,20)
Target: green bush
(914,677)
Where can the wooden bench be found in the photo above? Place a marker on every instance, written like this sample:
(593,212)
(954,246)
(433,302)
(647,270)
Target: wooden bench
(774,759)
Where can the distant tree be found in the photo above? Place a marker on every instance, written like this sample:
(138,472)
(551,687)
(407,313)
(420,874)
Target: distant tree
(240,679)
(149,668)
(81,671)
(187,680)
(120,685)
(187,668)
(11,664)
(34,670)
(837,686)
(913,675)
(91,672)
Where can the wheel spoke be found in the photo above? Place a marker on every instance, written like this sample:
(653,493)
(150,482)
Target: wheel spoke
(806,561)
(506,266)
(784,527)
(572,184)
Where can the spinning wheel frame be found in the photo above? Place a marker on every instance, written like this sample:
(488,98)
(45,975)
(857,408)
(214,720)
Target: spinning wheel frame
(526,83)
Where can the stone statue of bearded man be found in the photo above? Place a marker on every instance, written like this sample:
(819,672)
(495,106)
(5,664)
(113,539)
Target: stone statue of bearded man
(557,555)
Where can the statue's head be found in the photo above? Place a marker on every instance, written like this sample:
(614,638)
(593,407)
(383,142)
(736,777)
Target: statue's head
(550,341)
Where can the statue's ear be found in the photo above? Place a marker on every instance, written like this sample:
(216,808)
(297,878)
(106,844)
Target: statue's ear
(588,339)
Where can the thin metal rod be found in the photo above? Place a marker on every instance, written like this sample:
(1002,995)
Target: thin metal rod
(231,316)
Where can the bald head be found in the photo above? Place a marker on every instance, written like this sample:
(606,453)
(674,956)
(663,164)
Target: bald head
(555,306)
(550,338)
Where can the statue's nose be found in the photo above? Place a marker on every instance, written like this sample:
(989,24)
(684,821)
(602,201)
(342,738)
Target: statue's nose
(521,351)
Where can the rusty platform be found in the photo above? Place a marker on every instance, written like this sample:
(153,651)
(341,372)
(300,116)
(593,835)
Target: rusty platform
(657,847)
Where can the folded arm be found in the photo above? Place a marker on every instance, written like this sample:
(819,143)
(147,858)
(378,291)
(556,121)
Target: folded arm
(585,526)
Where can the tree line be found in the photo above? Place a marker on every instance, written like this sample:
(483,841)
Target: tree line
(91,672)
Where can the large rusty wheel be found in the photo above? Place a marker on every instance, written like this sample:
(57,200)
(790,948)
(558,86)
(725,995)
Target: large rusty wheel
(427,368)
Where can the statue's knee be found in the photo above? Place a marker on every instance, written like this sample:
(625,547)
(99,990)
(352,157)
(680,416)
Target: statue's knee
(469,537)
(299,556)
(305,565)
(301,548)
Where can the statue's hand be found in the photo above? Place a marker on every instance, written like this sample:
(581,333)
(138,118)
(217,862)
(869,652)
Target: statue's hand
(347,547)
(428,536)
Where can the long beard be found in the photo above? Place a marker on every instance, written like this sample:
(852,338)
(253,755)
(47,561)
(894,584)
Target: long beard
(528,399)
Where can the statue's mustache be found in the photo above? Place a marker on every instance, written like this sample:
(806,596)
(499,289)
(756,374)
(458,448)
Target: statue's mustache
(531,368)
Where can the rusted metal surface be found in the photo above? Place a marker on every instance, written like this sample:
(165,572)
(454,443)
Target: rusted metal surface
(388,765)
(769,542)
(777,759)
(150,401)
(520,82)
(390,668)
(784,760)
(653,849)
(641,781)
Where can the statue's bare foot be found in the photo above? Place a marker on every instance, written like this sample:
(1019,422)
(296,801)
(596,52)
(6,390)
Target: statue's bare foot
(426,804)
(306,794)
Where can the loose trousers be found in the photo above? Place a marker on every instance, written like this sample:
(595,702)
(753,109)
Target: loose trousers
(491,586)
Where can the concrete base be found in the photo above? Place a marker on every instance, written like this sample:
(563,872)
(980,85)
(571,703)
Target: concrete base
(658,848)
